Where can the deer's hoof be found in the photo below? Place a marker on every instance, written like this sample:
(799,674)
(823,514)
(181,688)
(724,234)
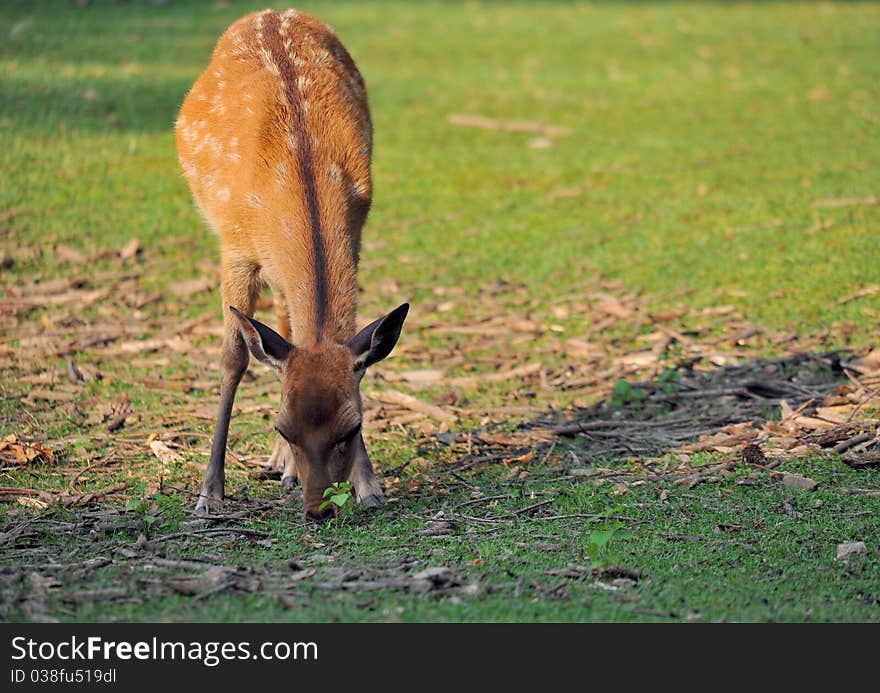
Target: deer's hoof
(372,502)
(208,504)
(288,483)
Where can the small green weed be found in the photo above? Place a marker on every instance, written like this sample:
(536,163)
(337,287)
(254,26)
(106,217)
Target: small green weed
(625,393)
(337,495)
(599,539)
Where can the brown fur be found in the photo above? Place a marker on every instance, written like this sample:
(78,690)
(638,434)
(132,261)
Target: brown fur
(275,140)
(282,101)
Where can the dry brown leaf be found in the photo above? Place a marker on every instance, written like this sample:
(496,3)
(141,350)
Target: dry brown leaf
(582,349)
(540,143)
(869,290)
(67,254)
(165,454)
(718,310)
(25,452)
(185,289)
(812,423)
(868,364)
(130,249)
(727,439)
(422,378)
(611,305)
(497,377)
(851,548)
(34,503)
(775,443)
(524,439)
(51,395)
(475,121)
(214,578)
(837,414)
(642,359)
(401,399)
(848,202)
(177,344)
(797,481)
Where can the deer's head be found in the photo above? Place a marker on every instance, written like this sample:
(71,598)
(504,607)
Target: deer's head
(321,411)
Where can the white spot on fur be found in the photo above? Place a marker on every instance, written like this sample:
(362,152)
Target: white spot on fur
(286,18)
(215,144)
(268,62)
(292,141)
(189,168)
(223,194)
(254,200)
(359,189)
(333,172)
(303,82)
(233,143)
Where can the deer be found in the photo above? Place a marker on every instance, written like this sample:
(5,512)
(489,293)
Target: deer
(275,141)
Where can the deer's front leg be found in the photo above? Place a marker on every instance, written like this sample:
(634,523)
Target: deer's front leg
(363,478)
(237,290)
(233,363)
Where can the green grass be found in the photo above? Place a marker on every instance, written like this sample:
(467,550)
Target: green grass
(733,553)
(702,137)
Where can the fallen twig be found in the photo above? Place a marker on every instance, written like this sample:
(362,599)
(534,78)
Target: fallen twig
(401,399)
(845,445)
(211,530)
(475,121)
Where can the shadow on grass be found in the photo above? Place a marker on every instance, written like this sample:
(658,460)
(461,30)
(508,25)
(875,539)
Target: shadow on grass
(655,417)
(109,105)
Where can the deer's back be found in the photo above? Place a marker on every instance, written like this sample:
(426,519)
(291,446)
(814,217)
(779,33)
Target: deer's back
(275,141)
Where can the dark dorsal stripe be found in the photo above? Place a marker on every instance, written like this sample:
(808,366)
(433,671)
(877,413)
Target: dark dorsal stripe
(274,43)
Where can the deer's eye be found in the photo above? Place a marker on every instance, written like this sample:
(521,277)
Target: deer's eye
(348,437)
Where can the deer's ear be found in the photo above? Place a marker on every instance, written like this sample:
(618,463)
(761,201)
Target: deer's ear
(376,340)
(266,345)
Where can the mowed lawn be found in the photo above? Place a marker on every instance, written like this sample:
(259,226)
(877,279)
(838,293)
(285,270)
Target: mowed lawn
(707,158)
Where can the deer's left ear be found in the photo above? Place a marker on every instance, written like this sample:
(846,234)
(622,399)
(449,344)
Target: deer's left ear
(376,340)
(266,345)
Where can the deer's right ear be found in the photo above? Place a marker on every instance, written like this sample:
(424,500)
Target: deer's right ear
(266,345)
